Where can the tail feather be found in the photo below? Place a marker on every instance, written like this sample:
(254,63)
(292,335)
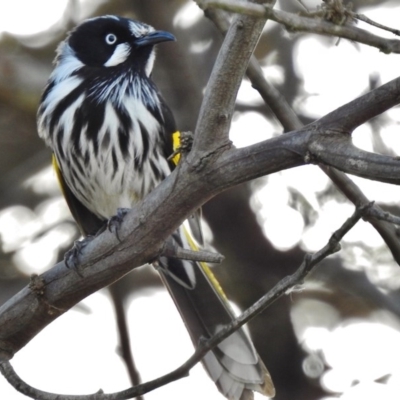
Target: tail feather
(233,365)
(231,388)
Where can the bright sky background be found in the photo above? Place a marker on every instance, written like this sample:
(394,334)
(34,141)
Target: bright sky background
(85,360)
(38,15)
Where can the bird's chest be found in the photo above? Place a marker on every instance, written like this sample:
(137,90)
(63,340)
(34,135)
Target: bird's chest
(115,158)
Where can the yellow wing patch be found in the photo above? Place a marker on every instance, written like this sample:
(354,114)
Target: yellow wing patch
(176,143)
(206,268)
(58,174)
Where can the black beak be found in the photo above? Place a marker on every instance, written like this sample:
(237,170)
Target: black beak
(154,37)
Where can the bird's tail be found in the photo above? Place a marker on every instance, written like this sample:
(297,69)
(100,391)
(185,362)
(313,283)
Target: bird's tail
(233,365)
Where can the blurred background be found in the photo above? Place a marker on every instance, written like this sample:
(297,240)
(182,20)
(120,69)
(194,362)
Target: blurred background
(337,337)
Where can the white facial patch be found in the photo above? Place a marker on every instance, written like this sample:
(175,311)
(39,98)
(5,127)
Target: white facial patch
(150,63)
(66,63)
(139,30)
(121,53)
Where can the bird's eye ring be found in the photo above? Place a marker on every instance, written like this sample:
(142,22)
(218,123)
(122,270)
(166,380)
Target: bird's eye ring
(111,39)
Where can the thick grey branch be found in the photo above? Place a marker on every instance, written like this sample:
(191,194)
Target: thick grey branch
(337,150)
(326,141)
(212,130)
(281,288)
(104,259)
(348,117)
(268,92)
(291,122)
(145,228)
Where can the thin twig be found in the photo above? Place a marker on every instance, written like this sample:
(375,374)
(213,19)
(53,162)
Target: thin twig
(172,250)
(385,229)
(297,23)
(282,287)
(335,10)
(378,213)
(272,97)
(369,21)
(125,349)
(15,381)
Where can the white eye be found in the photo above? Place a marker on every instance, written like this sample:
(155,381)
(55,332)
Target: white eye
(111,39)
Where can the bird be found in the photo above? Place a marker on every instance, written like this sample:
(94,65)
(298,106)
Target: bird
(111,134)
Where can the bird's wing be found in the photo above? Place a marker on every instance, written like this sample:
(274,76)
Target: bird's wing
(89,224)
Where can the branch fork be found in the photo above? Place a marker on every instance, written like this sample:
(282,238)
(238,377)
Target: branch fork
(175,199)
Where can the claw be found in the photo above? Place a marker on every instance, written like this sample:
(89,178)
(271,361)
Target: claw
(186,141)
(71,257)
(114,223)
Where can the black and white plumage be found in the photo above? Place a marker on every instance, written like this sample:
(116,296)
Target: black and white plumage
(111,134)
(103,116)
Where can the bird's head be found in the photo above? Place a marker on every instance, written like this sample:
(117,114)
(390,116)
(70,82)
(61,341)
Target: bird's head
(110,41)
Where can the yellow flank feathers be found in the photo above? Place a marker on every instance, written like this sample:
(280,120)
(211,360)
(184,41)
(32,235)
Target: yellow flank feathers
(58,173)
(176,143)
(206,268)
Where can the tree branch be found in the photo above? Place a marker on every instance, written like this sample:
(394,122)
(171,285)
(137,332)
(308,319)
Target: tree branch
(378,213)
(291,122)
(172,250)
(281,288)
(385,229)
(105,259)
(212,130)
(326,140)
(369,21)
(125,348)
(296,23)
(145,228)
(355,113)
(337,150)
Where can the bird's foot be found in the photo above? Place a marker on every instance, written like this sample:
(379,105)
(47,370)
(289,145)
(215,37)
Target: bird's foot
(183,146)
(71,257)
(114,223)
